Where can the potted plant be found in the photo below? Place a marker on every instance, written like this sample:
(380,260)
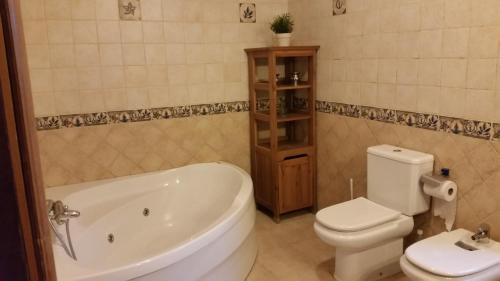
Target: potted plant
(282,26)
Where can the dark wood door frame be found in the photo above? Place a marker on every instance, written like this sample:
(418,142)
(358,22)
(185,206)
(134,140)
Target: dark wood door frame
(27,251)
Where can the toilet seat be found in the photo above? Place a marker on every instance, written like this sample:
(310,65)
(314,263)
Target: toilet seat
(360,224)
(418,274)
(355,215)
(452,256)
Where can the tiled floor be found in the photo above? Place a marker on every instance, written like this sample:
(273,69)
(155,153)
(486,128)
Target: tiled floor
(291,251)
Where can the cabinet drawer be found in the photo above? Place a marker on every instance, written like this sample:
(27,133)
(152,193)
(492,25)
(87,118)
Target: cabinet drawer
(295,184)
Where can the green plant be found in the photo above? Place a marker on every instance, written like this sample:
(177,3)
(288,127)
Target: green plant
(282,23)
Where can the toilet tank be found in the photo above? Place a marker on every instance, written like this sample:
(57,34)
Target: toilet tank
(394,178)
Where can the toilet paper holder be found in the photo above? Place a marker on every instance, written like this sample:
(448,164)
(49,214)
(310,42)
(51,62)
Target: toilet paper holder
(435,181)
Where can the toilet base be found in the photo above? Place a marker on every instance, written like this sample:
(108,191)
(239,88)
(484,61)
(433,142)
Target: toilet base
(370,264)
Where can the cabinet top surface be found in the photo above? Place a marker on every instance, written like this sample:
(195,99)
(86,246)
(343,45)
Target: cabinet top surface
(281,49)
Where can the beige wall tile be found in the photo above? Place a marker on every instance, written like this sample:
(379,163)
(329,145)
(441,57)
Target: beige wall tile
(407,71)
(174,32)
(91,101)
(177,74)
(137,98)
(111,54)
(457,13)
(89,78)
(35,32)
(387,70)
(481,74)
(67,102)
(430,44)
(485,12)
(59,32)
(57,10)
(408,45)
(432,14)
(106,10)
(113,77)
(214,73)
(153,32)
(131,31)
(32,10)
(38,56)
(176,54)
(155,53)
(409,16)
(158,96)
(85,31)
(136,76)
(62,55)
(480,104)
(484,42)
(134,54)
(65,79)
(454,72)
(406,98)
(455,42)
(428,99)
(151,10)
(41,80)
(87,55)
(388,17)
(386,95)
(429,72)
(452,102)
(83,9)
(115,99)
(157,75)
(109,31)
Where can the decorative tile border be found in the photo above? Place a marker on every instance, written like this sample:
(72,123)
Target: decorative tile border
(458,126)
(139,115)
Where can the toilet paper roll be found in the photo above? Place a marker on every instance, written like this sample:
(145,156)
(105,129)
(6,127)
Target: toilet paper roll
(446,191)
(444,201)
(445,210)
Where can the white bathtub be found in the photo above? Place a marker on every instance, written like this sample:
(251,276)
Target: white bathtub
(199,227)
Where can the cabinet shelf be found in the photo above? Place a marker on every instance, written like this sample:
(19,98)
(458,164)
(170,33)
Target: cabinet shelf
(285,145)
(289,117)
(264,86)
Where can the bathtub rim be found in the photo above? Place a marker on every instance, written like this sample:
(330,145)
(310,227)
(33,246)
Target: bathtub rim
(228,219)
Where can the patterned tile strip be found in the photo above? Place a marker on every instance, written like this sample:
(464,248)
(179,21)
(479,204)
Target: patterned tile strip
(139,115)
(458,126)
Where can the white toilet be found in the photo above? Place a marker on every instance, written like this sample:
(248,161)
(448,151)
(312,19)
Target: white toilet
(452,256)
(368,233)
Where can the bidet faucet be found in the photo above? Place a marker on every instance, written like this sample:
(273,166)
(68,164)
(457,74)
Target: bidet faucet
(483,233)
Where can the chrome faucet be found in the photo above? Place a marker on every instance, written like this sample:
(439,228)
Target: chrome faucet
(483,233)
(61,214)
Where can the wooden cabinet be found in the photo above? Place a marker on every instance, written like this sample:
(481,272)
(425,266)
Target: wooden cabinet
(282,84)
(295,184)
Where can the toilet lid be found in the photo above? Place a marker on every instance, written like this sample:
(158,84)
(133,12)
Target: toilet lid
(355,215)
(439,254)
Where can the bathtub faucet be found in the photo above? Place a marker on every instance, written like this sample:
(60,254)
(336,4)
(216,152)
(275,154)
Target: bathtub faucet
(60,213)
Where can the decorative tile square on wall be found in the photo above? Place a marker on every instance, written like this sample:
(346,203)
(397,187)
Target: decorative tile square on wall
(129,9)
(248,13)
(339,7)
